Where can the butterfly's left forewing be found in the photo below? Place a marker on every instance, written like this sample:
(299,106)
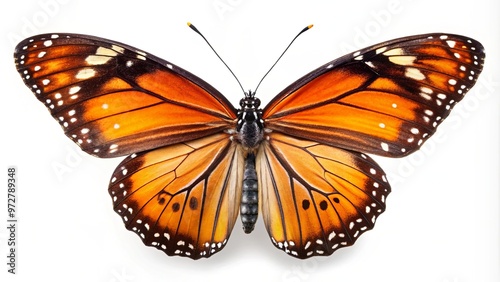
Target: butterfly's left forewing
(113,99)
(182,199)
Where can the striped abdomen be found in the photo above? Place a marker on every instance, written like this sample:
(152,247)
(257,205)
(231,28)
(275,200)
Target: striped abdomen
(249,208)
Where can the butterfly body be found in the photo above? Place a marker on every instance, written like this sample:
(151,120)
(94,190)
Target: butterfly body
(250,133)
(195,162)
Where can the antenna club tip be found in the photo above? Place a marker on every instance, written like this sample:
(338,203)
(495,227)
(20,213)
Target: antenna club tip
(310,26)
(193,27)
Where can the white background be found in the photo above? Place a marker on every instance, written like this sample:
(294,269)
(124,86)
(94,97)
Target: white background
(442,219)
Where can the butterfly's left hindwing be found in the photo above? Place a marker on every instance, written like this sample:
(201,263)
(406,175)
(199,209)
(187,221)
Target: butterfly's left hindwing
(112,99)
(182,199)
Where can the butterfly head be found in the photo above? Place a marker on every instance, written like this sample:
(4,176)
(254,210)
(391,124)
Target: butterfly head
(250,102)
(250,126)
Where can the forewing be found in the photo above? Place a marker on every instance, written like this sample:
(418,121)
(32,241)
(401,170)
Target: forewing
(386,99)
(112,99)
(316,198)
(182,199)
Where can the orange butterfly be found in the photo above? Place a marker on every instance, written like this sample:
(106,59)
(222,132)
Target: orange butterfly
(195,162)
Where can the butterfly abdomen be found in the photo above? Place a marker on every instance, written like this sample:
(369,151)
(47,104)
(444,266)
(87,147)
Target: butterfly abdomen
(249,207)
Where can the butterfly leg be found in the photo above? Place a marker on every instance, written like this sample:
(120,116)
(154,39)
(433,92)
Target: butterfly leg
(249,198)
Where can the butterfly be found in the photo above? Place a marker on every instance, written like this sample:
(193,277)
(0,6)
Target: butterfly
(195,162)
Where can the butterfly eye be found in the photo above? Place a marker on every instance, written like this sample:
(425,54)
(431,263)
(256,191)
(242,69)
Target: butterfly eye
(250,102)
(257,103)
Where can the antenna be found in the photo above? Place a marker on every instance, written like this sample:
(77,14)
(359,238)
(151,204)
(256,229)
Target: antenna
(197,31)
(302,31)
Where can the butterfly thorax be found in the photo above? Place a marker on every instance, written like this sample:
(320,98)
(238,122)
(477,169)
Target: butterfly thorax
(250,126)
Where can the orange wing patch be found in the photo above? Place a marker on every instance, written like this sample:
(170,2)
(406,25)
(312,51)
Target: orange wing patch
(386,99)
(316,198)
(182,199)
(112,99)
(323,89)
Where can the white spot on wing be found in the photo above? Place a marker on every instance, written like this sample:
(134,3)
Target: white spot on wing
(102,51)
(117,48)
(380,50)
(403,60)
(451,43)
(85,73)
(74,90)
(113,148)
(384,146)
(97,60)
(425,96)
(426,90)
(394,52)
(414,73)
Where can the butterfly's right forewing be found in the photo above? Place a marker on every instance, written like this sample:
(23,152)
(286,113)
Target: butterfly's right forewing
(386,99)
